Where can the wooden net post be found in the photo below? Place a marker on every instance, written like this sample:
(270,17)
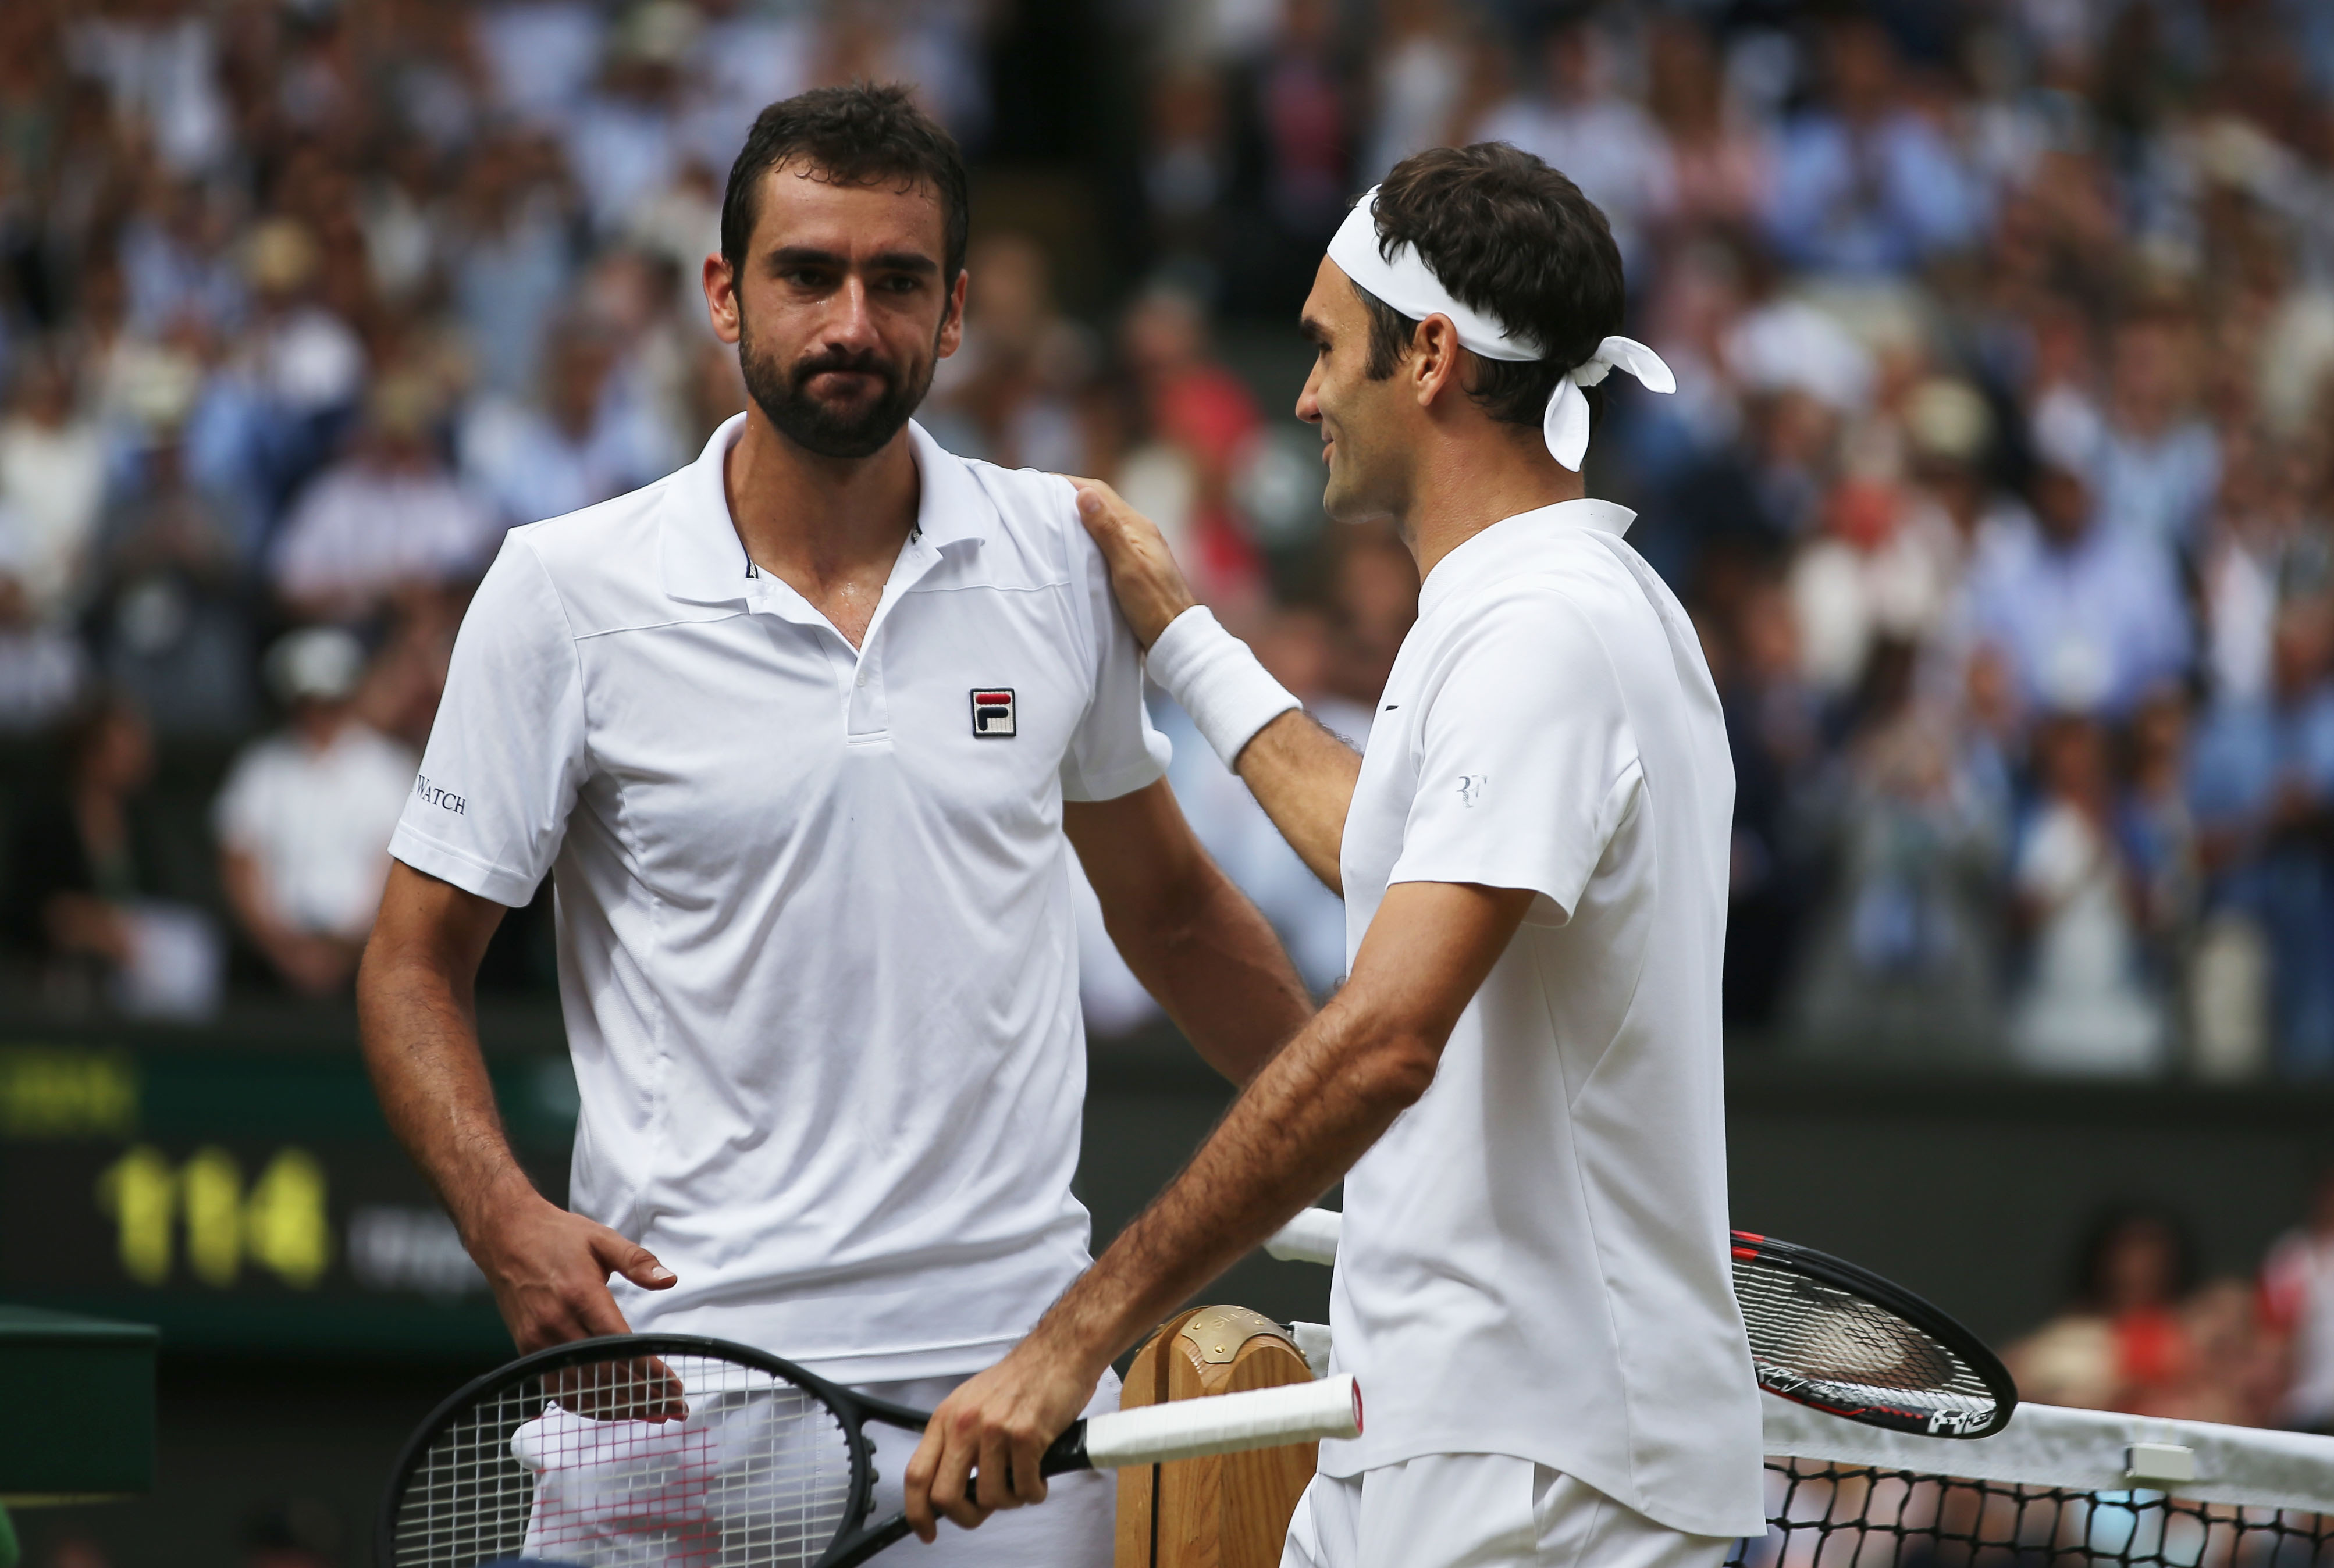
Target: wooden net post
(1229,1510)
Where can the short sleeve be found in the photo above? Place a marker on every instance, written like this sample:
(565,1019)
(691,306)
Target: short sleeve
(1115,749)
(1526,764)
(239,814)
(507,754)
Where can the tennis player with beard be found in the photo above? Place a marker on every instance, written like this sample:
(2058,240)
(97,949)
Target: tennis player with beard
(804,733)
(1519,1081)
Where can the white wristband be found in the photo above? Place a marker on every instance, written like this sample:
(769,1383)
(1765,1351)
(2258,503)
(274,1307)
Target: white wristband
(1214,677)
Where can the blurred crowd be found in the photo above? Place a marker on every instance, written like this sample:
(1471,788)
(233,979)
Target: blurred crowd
(1999,478)
(2145,1331)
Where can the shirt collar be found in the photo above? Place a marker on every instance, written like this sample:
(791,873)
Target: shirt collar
(704,562)
(1511,543)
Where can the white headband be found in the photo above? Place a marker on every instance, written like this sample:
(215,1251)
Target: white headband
(1409,286)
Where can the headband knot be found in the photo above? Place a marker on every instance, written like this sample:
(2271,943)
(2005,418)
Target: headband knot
(1406,283)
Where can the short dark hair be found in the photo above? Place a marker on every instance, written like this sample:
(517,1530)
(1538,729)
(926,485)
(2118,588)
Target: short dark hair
(862,134)
(1513,238)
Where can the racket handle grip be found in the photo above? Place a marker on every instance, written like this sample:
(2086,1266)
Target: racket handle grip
(1215,1424)
(1310,1237)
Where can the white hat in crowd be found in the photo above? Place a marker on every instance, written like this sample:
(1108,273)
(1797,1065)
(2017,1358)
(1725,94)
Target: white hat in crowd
(315,664)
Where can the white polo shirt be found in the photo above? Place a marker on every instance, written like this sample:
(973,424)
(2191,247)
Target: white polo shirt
(1535,1258)
(815,942)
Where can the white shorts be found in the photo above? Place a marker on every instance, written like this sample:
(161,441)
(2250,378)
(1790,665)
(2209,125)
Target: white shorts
(1480,1511)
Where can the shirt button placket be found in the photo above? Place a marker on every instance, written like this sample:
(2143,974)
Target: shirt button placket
(867,706)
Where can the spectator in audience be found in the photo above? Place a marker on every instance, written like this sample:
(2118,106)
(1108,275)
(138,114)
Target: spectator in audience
(1864,184)
(388,513)
(1902,963)
(1014,392)
(1719,165)
(302,364)
(583,441)
(53,483)
(304,818)
(1422,63)
(2158,462)
(1199,418)
(1298,108)
(2121,1343)
(509,247)
(2297,1290)
(88,874)
(2262,782)
(626,136)
(2086,1006)
(43,666)
(2088,619)
(170,625)
(1574,118)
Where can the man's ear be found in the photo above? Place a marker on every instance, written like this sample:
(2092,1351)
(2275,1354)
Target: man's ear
(720,285)
(1436,362)
(952,325)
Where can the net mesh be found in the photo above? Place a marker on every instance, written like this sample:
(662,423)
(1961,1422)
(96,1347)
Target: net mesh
(685,1460)
(1813,1340)
(1827,1515)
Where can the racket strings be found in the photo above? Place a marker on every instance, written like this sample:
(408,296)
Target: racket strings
(1842,1349)
(744,1469)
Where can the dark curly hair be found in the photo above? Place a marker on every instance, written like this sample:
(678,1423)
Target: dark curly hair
(859,135)
(1514,239)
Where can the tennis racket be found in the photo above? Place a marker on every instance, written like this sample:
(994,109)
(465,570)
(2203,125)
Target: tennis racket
(1823,1332)
(663,1449)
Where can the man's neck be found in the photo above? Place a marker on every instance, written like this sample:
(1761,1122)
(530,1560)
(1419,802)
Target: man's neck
(830,528)
(1467,483)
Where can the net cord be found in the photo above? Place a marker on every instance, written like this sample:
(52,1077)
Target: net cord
(2076,1451)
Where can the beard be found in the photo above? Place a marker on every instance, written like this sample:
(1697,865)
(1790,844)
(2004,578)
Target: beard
(844,428)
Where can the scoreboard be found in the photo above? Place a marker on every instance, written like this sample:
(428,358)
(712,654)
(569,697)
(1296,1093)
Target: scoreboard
(246,1198)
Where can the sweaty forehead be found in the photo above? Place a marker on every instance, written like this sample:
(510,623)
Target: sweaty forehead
(805,206)
(1333,305)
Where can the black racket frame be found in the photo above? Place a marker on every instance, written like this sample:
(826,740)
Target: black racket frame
(1933,1321)
(858,1540)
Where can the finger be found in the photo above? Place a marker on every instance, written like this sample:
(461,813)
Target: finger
(918,1480)
(952,1490)
(633,1261)
(1022,1454)
(994,1486)
(595,1312)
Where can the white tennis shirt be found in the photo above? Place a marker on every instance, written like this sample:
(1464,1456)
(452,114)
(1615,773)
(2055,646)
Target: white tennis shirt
(816,950)
(1535,1257)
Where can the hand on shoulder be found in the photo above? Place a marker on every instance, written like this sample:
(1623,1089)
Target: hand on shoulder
(1149,587)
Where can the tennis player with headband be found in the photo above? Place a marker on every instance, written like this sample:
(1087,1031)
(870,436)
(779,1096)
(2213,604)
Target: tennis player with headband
(1519,1081)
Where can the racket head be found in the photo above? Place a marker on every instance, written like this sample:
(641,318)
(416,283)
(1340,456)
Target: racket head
(642,1450)
(1839,1339)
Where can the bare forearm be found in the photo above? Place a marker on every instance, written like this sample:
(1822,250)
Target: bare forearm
(1313,1111)
(420,1037)
(1303,776)
(1215,966)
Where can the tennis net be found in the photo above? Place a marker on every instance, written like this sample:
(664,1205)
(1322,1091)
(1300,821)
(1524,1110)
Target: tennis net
(2056,1488)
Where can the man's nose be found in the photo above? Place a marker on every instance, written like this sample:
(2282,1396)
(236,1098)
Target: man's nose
(1308,400)
(850,317)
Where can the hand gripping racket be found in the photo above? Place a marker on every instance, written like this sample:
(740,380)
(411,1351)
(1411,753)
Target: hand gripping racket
(1823,1332)
(669,1450)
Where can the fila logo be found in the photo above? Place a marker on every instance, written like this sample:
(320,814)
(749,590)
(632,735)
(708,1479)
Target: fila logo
(992,712)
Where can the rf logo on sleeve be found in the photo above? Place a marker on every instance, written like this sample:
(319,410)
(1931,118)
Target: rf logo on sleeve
(992,712)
